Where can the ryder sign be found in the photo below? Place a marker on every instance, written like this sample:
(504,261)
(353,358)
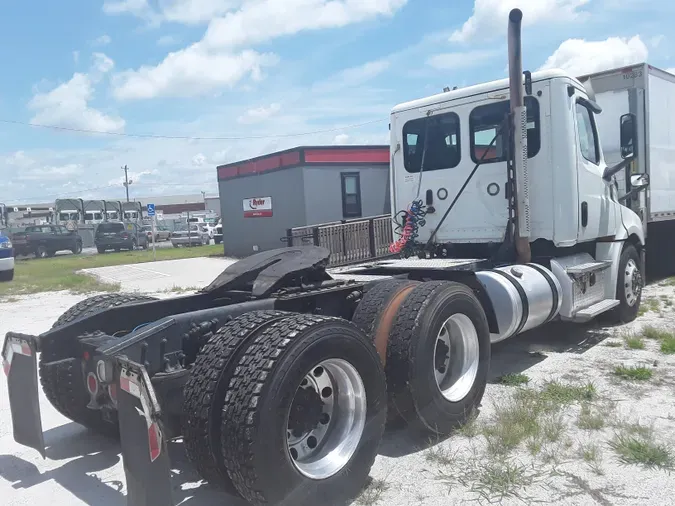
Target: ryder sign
(258,207)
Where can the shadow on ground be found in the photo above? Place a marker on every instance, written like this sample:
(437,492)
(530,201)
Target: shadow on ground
(88,456)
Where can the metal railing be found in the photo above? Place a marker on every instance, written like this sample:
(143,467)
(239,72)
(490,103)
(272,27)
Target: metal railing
(349,241)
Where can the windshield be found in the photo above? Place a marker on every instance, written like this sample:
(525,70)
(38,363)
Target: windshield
(110,227)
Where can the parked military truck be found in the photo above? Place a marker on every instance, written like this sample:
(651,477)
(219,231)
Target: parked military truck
(281,374)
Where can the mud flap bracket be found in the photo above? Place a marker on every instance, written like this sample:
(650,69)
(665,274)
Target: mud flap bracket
(144,449)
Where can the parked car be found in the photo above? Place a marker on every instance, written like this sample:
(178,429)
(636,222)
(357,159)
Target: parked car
(161,233)
(195,235)
(117,236)
(218,233)
(46,240)
(6,258)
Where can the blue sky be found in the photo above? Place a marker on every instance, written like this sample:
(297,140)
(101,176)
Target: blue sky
(256,71)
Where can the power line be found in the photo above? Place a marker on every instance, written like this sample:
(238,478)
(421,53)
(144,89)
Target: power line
(190,138)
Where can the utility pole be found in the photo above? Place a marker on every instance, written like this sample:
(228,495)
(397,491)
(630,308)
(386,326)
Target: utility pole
(127,181)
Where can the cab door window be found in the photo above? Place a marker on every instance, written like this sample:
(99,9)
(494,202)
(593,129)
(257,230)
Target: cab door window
(433,138)
(588,134)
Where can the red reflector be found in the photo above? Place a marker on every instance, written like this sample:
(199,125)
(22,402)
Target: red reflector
(92,383)
(86,355)
(25,350)
(154,438)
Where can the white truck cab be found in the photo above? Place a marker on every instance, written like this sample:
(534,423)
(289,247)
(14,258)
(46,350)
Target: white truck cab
(569,200)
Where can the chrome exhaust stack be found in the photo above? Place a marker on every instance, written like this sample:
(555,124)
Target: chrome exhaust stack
(519,129)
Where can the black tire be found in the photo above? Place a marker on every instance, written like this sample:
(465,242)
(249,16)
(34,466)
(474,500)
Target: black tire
(411,357)
(383,298)
(62,380)
(625,312)
(41,252)
(258,403)
(77,249)
(217,240)
(134,244)
(205,390)
(100,249)
(7,275)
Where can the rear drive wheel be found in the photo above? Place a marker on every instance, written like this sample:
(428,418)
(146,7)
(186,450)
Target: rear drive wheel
(41,252)
(629,284)
(77,249)
(205,390)
(304,413)
(7,275)
(438,357)
(100,249)
(62,380)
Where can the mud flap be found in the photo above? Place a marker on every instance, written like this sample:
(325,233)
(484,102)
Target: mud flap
(144,450)
(19,360)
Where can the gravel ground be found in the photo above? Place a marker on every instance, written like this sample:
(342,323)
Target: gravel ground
(526,446)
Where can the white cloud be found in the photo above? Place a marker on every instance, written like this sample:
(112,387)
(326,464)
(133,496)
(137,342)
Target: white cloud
(190,71)
(195,11)
(259,114)
(340,140)
(167,40)
(580,57)
(353,76)
(67,105)
(458,60)
(214,62)
(139,8)
(656,40)
(489,18)
(103,40)
(259,21)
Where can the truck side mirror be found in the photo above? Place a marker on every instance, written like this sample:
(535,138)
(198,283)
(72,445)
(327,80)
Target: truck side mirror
(628,135)
(639,181)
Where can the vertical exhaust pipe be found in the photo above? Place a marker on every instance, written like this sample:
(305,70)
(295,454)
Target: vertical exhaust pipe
(519,129)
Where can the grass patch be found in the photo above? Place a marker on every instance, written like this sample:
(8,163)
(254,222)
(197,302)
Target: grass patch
(634,372)
(591,418)
(639,447)
(613,344)
(182,289)
(591,455)
(634,342)
(59,273)
(492,480)
(531,416)
(514,379)
(439,455)
(668,345)
(373,493)
(655,333)
(650,304)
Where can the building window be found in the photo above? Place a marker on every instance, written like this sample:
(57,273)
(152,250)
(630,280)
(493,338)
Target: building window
(434,138)
(484,121)
(351,195)
(588,135)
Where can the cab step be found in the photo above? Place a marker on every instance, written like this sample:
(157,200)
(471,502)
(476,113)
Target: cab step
(587,314)
(586,268)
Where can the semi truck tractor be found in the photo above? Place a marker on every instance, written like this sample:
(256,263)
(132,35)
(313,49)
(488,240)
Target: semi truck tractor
(281,375)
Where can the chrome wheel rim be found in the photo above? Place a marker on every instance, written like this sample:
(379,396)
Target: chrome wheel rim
(327,419)
(632,282)
(456,357)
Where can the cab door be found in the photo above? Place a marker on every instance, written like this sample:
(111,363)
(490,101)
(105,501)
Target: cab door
(597,213)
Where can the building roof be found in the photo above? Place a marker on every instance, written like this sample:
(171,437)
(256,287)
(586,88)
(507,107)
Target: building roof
(306,155)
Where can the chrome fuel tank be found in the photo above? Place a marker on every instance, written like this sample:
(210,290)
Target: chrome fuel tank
(523,297)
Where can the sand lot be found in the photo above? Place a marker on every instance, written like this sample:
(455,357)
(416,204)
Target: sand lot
(573,415)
